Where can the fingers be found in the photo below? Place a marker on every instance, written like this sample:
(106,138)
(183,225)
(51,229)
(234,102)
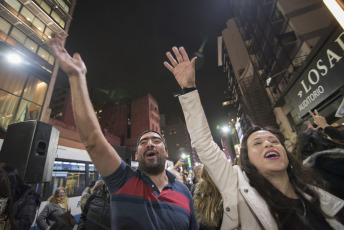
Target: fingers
(193,61)
(312,114)
(172,60)
(177,54)
(168,66)
(184,54)
(316,112)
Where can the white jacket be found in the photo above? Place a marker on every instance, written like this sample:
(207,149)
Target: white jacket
(243,207)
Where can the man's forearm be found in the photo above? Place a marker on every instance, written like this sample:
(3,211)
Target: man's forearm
(85,118)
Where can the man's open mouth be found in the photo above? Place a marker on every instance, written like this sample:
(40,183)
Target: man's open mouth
(150,153)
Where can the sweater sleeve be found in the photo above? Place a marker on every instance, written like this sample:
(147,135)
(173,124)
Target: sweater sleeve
(214,160)
(26,215)
(334,133)
(42,218)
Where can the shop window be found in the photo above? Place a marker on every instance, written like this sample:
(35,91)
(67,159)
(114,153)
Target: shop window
(31,45)
(8,105)
(35,90)
(27,111)
(11,79)
(4,26)
(18,35)
(14,4)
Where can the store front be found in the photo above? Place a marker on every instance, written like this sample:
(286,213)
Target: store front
(321,82)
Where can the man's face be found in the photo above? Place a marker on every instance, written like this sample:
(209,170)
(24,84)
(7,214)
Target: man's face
(151,154)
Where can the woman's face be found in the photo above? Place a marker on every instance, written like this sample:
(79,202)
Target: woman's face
(61,194)
(266,153)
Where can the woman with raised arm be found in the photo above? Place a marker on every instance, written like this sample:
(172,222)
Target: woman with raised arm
(270,190)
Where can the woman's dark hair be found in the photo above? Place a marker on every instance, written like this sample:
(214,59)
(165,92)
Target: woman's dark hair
(312,141)
(5,192)
(17,185)
(300,178)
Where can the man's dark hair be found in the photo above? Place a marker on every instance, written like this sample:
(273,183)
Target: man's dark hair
(151,131)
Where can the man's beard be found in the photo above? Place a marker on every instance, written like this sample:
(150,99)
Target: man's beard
(152,168)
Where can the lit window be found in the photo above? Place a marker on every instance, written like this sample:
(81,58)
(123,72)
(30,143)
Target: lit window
(18,35)
(27,14)
(4,25)
(14,4)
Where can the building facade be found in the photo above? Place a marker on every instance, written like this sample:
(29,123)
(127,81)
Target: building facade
(269,50)
(27,68)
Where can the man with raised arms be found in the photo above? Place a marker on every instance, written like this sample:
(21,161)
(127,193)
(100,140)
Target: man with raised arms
(149,198)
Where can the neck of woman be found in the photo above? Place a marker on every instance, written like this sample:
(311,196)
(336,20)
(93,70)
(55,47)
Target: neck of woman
(282,183)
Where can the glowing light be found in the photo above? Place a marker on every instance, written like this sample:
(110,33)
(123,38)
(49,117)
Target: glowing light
(225,129)
(336,10)
(183,156)
(14,58)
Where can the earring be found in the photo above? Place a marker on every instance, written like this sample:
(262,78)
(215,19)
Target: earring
(291,167)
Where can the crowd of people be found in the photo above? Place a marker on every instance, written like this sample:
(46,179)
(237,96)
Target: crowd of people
(270,187)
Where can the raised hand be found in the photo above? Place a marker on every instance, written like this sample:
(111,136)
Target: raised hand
(318,120)
(311,127)
(183,69)
(73,66)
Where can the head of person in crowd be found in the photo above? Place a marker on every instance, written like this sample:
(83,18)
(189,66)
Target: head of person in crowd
(59,197)
(151,152)
(263,156)
(17,185)
(208,202)
(312,141)
(6,201)
(197,172)
(100,186)
(91,186)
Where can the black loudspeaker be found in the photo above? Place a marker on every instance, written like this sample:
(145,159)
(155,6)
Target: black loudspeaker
(125,153)
(31,146)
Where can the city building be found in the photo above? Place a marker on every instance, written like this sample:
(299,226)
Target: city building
(177,138)
(27,68)
(282,58)
(122,121)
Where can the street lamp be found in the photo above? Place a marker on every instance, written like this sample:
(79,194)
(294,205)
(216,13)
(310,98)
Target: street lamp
(14,58)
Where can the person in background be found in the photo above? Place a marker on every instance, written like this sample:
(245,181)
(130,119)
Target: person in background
(175,170)
(96,212)
(86,194)
(6,201)
(198,172)
(26,201)
(325,156)
(56,213)
(270,189)
(332,132)
(89,189)
(208,203)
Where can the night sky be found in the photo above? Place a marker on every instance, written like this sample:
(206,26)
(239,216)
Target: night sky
(123,44)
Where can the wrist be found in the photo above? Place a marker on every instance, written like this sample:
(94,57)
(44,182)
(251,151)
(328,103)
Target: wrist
(188,90)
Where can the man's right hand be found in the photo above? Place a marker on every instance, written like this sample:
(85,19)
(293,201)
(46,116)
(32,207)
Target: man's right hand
(72,66)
